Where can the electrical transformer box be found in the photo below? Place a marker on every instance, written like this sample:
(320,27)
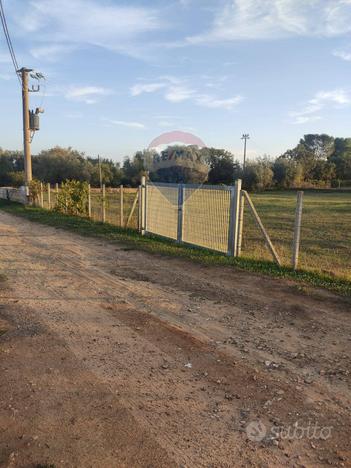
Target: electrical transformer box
(34,122)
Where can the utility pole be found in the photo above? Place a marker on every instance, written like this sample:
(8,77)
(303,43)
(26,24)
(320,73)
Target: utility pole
(26,127)
(245,137)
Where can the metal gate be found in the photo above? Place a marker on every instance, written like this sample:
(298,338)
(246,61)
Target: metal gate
(201,215)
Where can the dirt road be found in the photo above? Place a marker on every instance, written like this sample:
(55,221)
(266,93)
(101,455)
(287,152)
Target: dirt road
(117,358)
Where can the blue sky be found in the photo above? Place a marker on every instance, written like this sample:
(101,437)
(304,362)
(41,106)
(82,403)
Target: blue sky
(119,73)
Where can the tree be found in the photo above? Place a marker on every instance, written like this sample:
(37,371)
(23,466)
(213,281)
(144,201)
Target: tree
(321,146)
(341,158)
(223,168)
(258,175)
(58,164)
(287,173)
(311,153)
(180,164)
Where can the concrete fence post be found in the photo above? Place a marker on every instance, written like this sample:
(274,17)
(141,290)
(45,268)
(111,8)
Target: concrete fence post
(139,208)
(49,196)
(234,219)
(241,223)
(103,193)
(180,213)
(297,230)
(143,205)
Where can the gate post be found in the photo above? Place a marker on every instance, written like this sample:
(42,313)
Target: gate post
(234,219)
(143,205)
(180,213)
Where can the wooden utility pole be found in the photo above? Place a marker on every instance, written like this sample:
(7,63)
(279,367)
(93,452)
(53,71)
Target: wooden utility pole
(26,128)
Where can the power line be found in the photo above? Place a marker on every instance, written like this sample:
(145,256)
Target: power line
(8,41)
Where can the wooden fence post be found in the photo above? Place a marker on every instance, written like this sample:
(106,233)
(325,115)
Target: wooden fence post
(143,205)
(121,206)
(241,223)
(89,201)
(49,196)
(262,228)
(56,191)
(297,231)
(41,195)
(103,203)
(234,218)
(133,209)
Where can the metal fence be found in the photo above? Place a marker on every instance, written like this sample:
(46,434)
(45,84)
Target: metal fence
(202,215)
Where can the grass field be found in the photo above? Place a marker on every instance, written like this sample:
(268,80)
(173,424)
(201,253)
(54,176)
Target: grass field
(325,233)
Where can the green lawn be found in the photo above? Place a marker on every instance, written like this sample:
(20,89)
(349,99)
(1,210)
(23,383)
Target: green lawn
(325,233)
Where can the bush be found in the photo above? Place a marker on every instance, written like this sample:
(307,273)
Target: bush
(34,191)
(16,178)
(73,198)
(287,173)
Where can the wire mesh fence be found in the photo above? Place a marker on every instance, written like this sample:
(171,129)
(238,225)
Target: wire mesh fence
(325,231)
(203,216)
(162,210)
(206,216)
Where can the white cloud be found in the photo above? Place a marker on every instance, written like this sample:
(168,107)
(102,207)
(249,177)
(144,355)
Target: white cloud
(274,19)
(343,54)
(302,119)
(146,88)
(178,93)
(335,98)
(176,90)
(125,123)
(214,103)
(87,94)
(51,52)
(87,22)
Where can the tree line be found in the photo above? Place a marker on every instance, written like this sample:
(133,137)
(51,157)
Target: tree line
(318,160)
